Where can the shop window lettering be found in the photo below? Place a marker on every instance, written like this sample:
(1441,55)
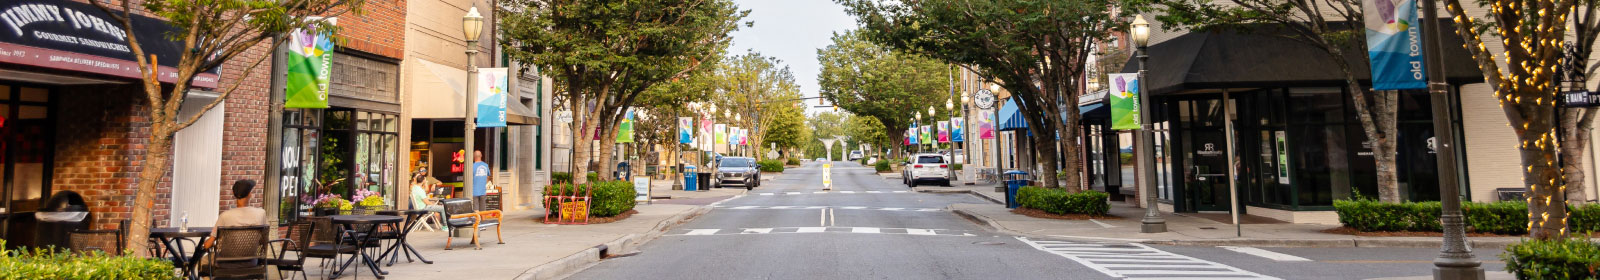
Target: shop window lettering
(456,162)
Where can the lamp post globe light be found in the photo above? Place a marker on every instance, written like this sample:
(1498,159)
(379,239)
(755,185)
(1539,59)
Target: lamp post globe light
(1152,221)
(471,28)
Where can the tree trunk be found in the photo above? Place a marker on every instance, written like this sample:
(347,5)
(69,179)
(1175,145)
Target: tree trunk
(158,158)
(582,141)
(608,151)
(1073,181)
(1044,149)
(1377,119)
(1575,128)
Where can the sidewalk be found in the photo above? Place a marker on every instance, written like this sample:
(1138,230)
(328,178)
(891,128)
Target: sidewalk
(535,250)
(1182,228)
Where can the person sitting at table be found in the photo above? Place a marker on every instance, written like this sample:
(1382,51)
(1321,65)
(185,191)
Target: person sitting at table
(420,188)
(241,214)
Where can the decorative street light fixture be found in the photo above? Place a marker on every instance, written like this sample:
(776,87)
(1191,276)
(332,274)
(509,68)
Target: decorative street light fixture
(1152,222)
(471,27)
(1455,259)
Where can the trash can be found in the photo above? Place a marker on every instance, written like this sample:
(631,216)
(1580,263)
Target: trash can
(704,179)
(688,178)
(64,213)
(1015,180)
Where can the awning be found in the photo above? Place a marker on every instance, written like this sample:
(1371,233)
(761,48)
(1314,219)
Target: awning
(1263,57)
(1011,118)
(439,94)
(1096,110)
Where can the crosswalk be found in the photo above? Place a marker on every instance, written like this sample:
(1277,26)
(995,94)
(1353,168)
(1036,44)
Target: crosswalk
(1137,261)
(829,192)
(907,209)
(802,230)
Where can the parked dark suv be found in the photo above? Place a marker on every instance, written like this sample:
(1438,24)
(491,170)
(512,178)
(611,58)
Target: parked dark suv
(738,171)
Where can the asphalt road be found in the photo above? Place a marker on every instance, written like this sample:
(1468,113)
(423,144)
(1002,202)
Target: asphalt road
(871,228)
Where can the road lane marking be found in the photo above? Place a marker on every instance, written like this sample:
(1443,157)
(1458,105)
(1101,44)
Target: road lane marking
(874,192)
(831,220)
(804,207)
(1102,224)
(1133,260)
(767,194)
(822,217)
(702,232)
(792,193)
(847,191)
(918,231)
(854,207)
(812,229)
(756,231)
(865,230)
(745,207)
(1276,256)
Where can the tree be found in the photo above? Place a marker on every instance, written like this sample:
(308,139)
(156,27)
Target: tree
(759,92)
(1526,88)
(1035,49)
(1578,123)
(867,129)
(783,126)
(827,125)
(604,54)
(1308,22)
(868,79)
(217,32)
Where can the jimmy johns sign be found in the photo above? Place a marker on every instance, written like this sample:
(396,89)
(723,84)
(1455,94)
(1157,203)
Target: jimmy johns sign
(79,37)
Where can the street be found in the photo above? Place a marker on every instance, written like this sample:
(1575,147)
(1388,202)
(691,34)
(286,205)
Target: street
(869,227)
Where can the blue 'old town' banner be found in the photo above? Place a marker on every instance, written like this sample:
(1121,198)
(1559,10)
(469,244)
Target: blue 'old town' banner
(1394,43)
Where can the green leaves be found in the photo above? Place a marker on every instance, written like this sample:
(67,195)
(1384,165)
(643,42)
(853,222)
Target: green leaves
(60,264)
(1570,258)
(871,80)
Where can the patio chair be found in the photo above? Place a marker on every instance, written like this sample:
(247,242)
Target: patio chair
(109,241)
(325,242)
(460,213)
(299,236)
(239,253)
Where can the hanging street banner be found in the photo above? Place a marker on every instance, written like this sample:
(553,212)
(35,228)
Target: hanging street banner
(309,68)
(957,133)
(1124,99)
(944,132)
(1394,44)
(625,130)
(927,134)
(744,137)
(492,97)
(686,130)
(721,134)
(911,135)
(985,126)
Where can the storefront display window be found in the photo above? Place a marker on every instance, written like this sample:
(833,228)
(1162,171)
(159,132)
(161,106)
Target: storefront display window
(336,151)
(25,150)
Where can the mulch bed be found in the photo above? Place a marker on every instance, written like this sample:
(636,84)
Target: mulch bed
(604,220)
(1036,213)
(1351,231)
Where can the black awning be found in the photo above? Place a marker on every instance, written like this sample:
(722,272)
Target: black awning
(1262,57)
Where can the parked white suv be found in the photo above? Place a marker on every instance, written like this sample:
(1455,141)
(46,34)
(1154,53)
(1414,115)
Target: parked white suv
(928,168)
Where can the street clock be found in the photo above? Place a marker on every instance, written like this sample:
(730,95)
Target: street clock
(984,99)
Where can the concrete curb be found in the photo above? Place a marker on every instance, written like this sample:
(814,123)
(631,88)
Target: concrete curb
(974,193)
(985,221)
(571,264)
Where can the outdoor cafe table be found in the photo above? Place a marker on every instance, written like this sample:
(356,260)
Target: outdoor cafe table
(349,222)
(414,218)
(170,239)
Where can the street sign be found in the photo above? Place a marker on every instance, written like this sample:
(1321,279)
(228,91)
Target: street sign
(641,188)
(1579,98)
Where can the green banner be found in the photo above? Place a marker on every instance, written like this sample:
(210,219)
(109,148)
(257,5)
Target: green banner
(310,65)
(625,130)
(1124,99)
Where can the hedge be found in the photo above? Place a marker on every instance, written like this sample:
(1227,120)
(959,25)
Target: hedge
(1505,217)
(1059,201)
(607,198)
(771,165)
(60,264)
(1571,258)
(561,177)
(881,166)
(792,161)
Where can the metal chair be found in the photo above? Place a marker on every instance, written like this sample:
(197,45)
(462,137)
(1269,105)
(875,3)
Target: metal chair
(299,236)
(239,253)
(109,241)
(325,242)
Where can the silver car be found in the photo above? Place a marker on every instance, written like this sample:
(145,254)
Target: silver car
(738,171)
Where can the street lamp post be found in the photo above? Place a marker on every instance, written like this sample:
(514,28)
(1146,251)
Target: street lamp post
(1455,260)
(933,145)
(471,27)
(1152,222)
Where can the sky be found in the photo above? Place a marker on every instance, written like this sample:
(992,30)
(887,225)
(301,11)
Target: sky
(792,31)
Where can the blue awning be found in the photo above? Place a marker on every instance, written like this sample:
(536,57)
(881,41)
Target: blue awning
(1010,117)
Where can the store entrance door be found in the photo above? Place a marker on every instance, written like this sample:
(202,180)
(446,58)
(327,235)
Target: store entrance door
(1205,152)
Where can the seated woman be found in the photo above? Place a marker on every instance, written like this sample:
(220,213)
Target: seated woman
(420,198)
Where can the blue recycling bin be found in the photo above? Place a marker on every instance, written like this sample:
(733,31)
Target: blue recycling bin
(1015,180)
(689,178)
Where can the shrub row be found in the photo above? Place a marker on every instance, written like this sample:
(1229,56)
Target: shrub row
(770,165)
(607,198)
(1571,258)
(561,177)
(1059,201)
(1505,217)
(59,264)
(882,166)
(792,161)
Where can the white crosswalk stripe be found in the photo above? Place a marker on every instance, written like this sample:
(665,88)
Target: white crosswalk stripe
(831,192)
(799,230)
(781,207)
(1137,261)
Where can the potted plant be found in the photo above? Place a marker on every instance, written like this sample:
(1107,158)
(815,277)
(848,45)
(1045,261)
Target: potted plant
(331,204)
(368,200)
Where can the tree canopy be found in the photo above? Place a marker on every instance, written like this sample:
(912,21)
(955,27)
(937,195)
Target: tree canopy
(871,80)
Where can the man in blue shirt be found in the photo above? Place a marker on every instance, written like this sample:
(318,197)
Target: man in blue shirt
(480,179)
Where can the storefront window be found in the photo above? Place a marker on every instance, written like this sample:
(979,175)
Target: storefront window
(301,130)
(25,120)
(336,151)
